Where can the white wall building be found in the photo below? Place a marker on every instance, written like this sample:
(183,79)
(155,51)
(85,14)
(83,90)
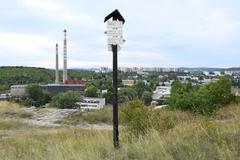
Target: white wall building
(92,103)
(161,92)
(128,82)
(18,90)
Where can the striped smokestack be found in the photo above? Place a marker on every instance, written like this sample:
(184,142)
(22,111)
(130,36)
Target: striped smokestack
(65,56)
(57,69)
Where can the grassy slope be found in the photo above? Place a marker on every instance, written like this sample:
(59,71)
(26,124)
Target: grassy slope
(190,138)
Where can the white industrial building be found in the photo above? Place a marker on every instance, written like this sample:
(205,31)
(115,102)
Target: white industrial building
(90,103)
(18,90)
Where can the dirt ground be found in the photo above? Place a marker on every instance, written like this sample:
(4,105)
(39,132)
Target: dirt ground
(49,117)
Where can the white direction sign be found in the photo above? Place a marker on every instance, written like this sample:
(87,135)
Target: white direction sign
(114,24)
(114,32)
(114,40)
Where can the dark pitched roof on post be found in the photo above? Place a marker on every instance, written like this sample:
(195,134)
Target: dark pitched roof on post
(116,15)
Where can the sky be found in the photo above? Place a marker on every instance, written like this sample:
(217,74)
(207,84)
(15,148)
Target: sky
(158,33)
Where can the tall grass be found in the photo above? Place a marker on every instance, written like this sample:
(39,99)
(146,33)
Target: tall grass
(13,110)
(190,138)
(200,140)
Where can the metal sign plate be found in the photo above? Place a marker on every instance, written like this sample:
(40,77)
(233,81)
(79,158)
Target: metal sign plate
(115,41)
(114,24)
(114,32)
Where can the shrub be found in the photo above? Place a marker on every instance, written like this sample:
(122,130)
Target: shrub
(126,94)
(237,99)
(204,100)
(136,117)
(147,97)
(91,91)
(35,96)
(66,100)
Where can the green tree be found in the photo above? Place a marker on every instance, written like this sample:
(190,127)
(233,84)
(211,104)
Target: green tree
(140,87)
(147,97)
(35,96)
(91,91)
(181,95)
(204,100)
(108,97)
(126,94)
(66,100)
(220,92)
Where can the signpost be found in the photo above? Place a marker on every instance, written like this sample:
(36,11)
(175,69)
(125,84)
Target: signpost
(114,39)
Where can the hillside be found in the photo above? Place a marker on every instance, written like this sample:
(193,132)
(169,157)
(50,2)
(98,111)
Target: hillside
(183,136)
(28,75)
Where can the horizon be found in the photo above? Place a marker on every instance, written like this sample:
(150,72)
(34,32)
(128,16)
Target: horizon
(170,34)
(73,68)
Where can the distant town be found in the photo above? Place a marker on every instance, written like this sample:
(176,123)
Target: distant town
(163,79)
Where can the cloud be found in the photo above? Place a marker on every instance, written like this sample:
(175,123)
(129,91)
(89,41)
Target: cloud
(217,26)
(24,42)
(157,33)
(46,5)
(57,11)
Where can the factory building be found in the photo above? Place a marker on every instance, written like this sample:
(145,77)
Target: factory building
(18,90)
(54,89)
(66,85)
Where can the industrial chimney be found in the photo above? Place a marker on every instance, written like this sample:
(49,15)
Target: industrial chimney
(57,70)
(65,56)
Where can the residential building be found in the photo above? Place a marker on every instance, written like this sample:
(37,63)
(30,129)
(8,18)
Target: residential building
(161,93)
(128,82)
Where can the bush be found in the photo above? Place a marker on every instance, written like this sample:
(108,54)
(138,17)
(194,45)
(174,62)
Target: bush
(147,97)
(204,100)
(91,91)
(237,99)
(136,117)
(66,100)
(35,96)
(126,94)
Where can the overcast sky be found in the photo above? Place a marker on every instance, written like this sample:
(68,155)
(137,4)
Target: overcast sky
(158,33)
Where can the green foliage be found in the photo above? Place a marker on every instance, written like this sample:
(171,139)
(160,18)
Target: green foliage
(220,92)
(140,87)
(147,97)
(204,100)
(136,117)
(35,96)
(108,97)
(29,75)
(91,91)
(126,94)
(237,99)
(66,100)
(24,75)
